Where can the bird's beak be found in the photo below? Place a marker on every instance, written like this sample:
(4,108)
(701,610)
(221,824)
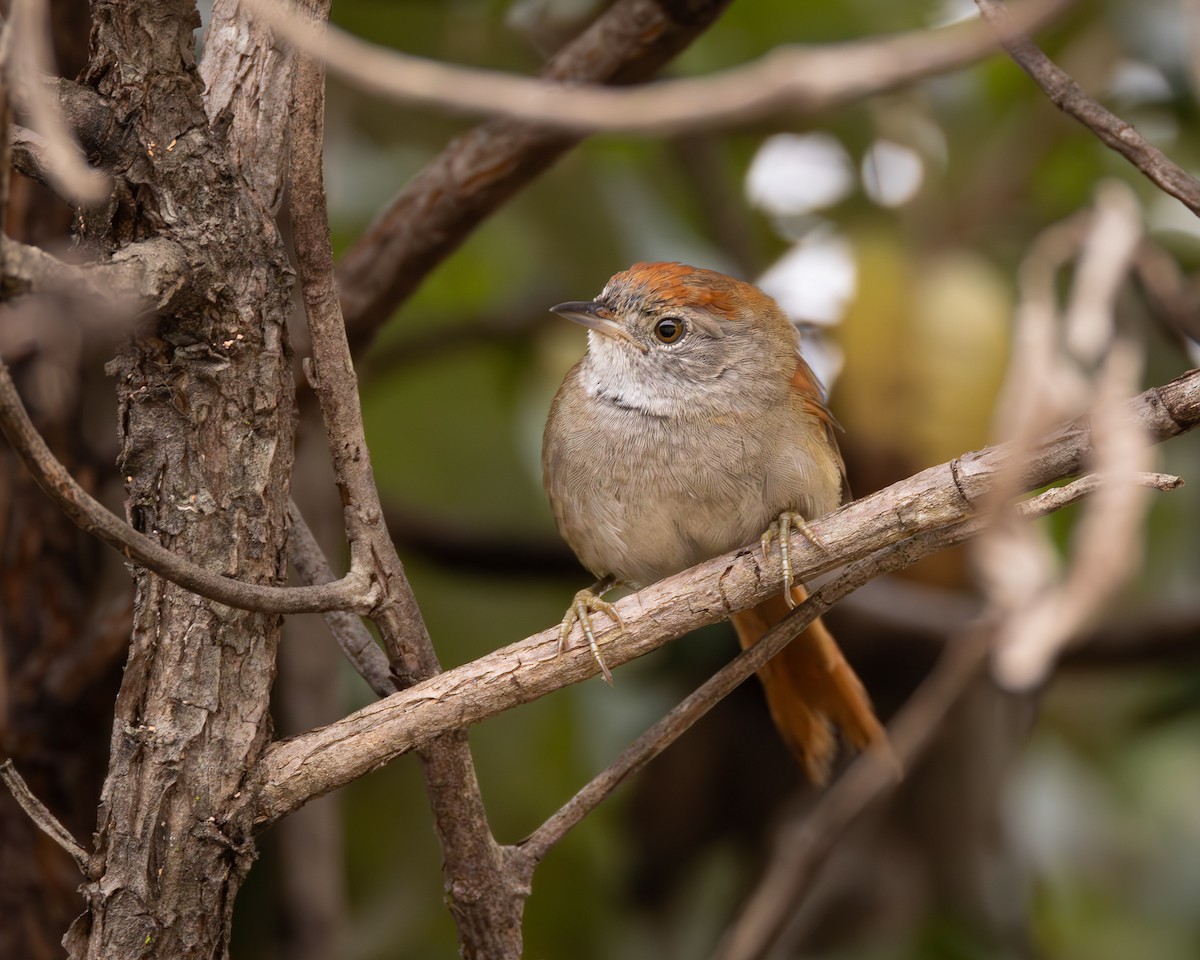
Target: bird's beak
(595,316)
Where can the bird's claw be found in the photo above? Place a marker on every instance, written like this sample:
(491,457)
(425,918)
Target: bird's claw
(586,603)
(781,529)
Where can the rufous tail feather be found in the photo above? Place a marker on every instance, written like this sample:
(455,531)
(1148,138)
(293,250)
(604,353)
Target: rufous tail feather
(809,686)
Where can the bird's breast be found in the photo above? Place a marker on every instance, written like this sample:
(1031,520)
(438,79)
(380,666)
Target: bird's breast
(644,496)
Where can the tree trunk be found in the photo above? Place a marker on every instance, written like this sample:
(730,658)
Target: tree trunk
(207,419)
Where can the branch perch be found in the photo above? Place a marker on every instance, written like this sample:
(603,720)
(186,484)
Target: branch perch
(744,665)
(294,771)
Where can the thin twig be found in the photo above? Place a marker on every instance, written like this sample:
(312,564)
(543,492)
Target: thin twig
(41,816)
(1172,299)
(352,592)
(348,629)
(804,845)
(789,78)
(1069,97)
(371,551)
(1069,362)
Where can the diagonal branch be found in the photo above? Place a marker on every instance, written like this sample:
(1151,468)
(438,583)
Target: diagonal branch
(807,842)
(45,821)
(660,736)
(1070,98)
(294,771)
(355,640)
(336,385)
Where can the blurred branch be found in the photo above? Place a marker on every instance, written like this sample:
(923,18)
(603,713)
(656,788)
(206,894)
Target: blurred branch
(464,546)
(791,79)
(1069,97)
(1174,300)
(296,770)
(140,278)
(513,326)
(804,845)
(43,819)
(1066,362)
(484,167)
(728,221)
(89,118)
(28,58)
(1154,638)
(920,619)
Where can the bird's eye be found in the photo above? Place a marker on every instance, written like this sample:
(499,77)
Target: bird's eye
(669,329)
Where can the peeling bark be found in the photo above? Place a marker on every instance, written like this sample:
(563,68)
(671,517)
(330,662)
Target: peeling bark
(207,419)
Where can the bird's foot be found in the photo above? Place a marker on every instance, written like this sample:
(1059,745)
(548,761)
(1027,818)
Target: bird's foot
(586,603)
(781,529)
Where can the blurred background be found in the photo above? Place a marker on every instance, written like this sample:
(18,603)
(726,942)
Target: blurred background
(1062,824)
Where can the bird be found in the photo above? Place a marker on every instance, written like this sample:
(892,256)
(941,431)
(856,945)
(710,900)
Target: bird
(691,427)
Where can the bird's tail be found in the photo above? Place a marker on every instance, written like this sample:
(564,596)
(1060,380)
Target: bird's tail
(809,687)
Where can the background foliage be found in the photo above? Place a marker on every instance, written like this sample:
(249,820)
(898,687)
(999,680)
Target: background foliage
(1060,825)
(1089,843)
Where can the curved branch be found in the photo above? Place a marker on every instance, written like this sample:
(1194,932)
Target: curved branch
(66,168)
(294,771)
(789,78)
(90,119)
(484,167)
(353,592)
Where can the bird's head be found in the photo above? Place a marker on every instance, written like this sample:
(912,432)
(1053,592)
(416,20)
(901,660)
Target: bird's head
(666,337)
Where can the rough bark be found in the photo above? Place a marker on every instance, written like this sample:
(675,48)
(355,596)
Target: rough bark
(206,417)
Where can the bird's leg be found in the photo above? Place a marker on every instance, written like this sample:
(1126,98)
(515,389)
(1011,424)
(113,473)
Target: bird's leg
(781,527)
(587,602)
